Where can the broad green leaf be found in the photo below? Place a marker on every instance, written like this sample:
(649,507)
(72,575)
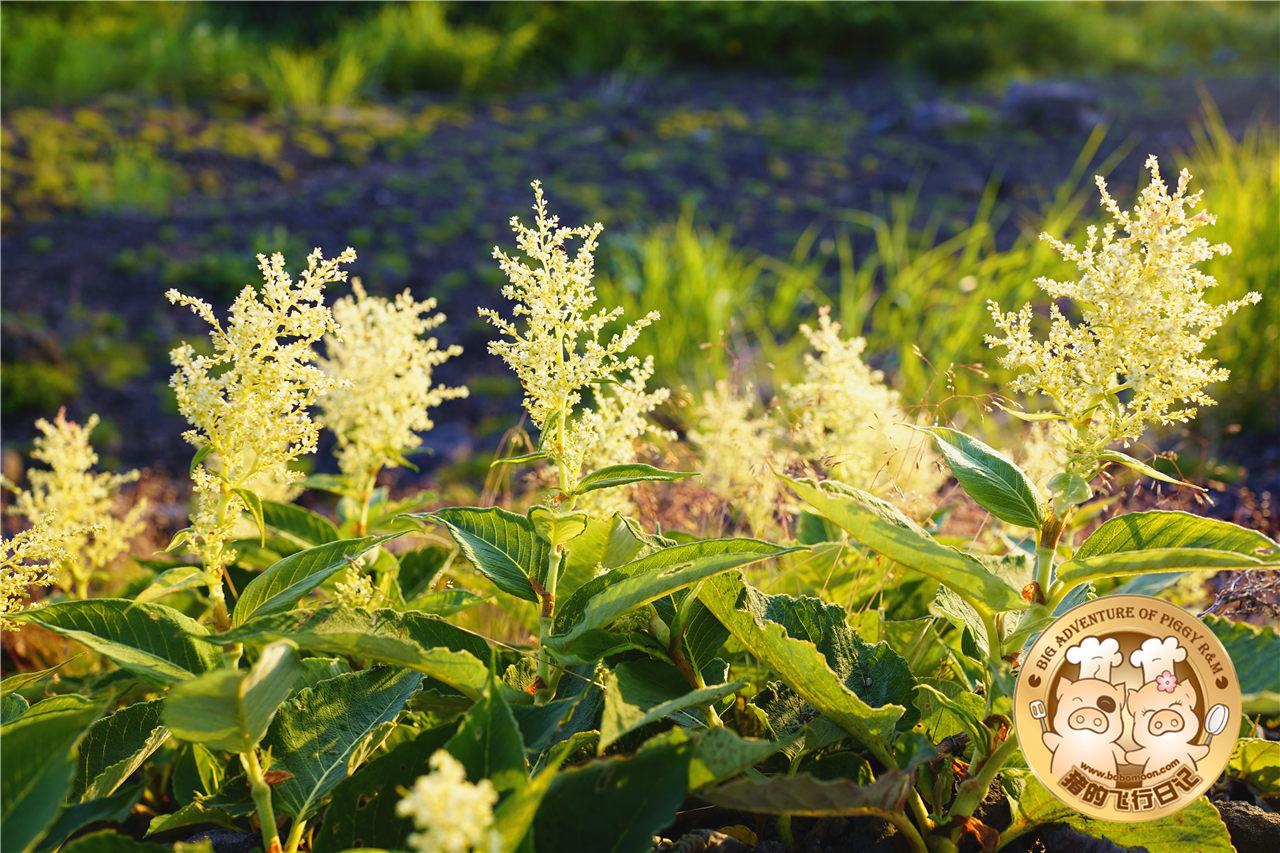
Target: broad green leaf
(503,546)
(197,773)
(606,543)
(1254,650)
(989,477)
(1068,490)
(230,709)
(488,743)
(722,754)
(174,580)
(23,680)
(516,813)
(557,528)
(598,602)
(293,577)
(302,526)
(1078,570)
(418,568)
(625,475)
(38,754)
(1137,531)
(1257,761)
(1143,468)
(884,529)
(13,707)
(616,805)
(1197,828)
(193,814)
(632,700)
(116,746)
(446,602)
(147,639)
(803,795)
(801,666)
(111,842)
(73,818)
(253,506)
(315,733)
(423,643)
(362,812)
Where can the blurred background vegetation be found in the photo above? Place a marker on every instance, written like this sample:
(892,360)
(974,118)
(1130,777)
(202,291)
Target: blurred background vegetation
(156,145)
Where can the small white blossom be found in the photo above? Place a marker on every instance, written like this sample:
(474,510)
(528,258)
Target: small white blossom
(453,815)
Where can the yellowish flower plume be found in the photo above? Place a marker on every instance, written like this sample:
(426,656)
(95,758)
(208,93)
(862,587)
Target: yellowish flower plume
(384,366)
(248,400)
(1136,357)
(736,441)
(848,419)
(25,562)
(556,350)
(79,501)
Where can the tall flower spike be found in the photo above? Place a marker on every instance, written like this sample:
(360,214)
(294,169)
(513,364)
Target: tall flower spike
(559,352)
(384,365)
(24,563)
(248,400)
(79,500)
(1136,357)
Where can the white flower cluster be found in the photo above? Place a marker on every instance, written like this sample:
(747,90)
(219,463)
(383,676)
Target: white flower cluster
(558,352)
(79,499)
(1136,357)
(24,561)
(736,442)
(384,367)
(248,400)
(847,417)
(453,815)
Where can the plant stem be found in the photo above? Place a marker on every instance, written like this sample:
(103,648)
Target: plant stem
(295,835)
(972,791)
(545,622)
(262,800)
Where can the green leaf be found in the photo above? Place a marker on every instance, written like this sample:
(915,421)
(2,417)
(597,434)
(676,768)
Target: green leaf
(1254,650)
(14,706)
(884,529)
(316,732)
(503,546)
(1143,468)
(423,643)
(23,680)
(253,506)
(37,752)
(607,543)
(147,639)
(516,460)
(230,709)
(1257,762)
(557,528)
(1068,490)
(1137,531)
(1197,828)
(199,456)
(173,580)
(989,477)
(362,812)
(633,699)
(446,602)
(598,602)
(805,796)
(1071,573)
(193,814)
(115,809)
(722,753)
(488,743)
(616,805)
(111,842)
(115,747)
(302,526)
(293,577)
(625,475)
(800,665)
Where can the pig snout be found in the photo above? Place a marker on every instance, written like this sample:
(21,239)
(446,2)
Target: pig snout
(1164,722)
(1088,719)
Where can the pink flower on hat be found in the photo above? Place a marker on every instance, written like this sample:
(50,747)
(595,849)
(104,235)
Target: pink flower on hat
(1166,681)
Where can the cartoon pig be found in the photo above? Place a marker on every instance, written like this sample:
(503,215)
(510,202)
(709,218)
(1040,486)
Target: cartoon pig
(1164,724)
(1086,727)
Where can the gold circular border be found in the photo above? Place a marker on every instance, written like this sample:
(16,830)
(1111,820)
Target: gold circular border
(1028,728)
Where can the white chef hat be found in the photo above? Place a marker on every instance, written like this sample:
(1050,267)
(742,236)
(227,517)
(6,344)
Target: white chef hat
(1096,657)
(1157,656)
